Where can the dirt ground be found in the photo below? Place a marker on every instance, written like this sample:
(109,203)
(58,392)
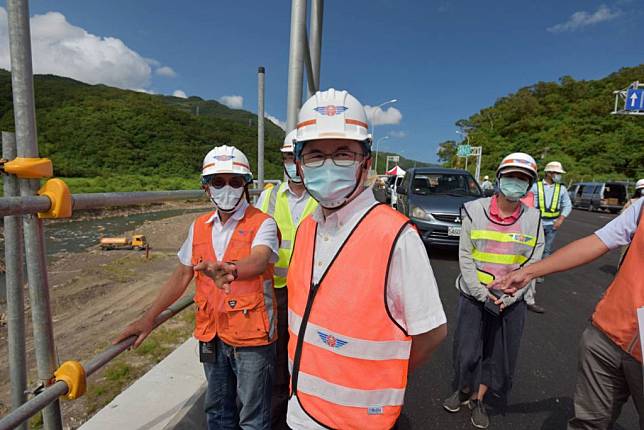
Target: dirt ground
(94,295)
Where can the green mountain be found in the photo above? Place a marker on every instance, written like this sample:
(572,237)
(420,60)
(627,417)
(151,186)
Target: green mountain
(568,121)
(98,131)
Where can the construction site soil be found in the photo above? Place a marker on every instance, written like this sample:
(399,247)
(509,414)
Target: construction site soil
(94,295)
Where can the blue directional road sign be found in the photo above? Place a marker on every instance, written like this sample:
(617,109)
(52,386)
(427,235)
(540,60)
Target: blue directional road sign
(634,99)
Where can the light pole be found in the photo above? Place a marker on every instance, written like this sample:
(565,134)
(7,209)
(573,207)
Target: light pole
(373,120)
(378,150)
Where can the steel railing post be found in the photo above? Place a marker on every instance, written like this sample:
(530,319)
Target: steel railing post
(13,252)
(27,146)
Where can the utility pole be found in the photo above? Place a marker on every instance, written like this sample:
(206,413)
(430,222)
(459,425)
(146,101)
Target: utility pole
(261,76)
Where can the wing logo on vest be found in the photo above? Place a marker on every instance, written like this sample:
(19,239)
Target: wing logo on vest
(331,340)
(232,303)
(523,238)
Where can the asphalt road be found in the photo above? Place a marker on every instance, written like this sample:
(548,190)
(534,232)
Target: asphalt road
(545,376)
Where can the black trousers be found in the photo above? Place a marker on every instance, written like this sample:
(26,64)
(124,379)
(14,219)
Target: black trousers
(279,400)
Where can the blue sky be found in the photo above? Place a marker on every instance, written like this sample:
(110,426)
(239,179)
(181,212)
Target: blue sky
(443,60)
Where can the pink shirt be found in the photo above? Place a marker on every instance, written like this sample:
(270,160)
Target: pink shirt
(496,215)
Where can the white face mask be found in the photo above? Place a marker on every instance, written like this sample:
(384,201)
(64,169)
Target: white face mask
(226,199)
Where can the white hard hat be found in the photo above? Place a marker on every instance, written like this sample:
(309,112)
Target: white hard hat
(554,167)
(486,178)
(332,114)
(518,162)
(639,184)
(289,140)
(226,159)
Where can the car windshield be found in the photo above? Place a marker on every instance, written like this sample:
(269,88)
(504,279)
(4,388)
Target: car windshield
(445,184)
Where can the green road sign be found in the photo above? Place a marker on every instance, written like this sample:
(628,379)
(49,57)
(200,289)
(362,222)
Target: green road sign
(464,150)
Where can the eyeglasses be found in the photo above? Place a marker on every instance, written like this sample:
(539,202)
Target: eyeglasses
(342,158)
(219,182)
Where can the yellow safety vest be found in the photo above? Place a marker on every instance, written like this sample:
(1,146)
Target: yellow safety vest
(276,205)
(553,210)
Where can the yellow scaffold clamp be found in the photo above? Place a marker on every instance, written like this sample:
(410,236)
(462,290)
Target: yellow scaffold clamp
(60,197)
(73,374)
(28,168)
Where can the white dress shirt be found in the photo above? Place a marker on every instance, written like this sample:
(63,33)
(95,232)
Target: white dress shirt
(296,204)
(221,234)
(412,293)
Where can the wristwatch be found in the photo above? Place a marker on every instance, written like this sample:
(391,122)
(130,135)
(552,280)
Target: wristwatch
(235,274)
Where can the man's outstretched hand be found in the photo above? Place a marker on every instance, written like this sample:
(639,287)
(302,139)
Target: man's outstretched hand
(512,282)
(219,271)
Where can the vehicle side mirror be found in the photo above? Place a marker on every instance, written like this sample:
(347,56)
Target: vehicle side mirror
(400,190)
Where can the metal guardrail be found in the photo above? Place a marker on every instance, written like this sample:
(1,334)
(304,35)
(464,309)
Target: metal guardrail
(60,388)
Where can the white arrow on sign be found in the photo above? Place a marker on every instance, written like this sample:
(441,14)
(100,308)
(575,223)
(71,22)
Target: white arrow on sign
(633,99)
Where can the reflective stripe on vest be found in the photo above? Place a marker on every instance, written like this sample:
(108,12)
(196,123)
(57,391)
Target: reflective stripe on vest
(347,396)
(349,346)
(350,358)
(484,277)
(276,205)
(488,257)
(616,313)
(247,315)
(552,210)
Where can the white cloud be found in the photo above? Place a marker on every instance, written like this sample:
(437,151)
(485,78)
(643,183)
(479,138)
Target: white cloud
(63,49)
(378,116)
(583,19)
(180,93)
(233,102)
(143,90)
(278,122)
(166,71)
(397,134)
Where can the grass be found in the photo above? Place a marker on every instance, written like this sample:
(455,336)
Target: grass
(119,374)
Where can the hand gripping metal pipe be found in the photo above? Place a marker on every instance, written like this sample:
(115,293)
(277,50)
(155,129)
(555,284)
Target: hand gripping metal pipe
(60,387)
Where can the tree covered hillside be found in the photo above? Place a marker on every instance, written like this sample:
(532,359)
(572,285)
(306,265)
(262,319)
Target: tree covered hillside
(568,121)
(98,131)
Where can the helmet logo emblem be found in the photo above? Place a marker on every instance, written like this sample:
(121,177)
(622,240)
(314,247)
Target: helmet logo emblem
(330,110)
(224,157)
(331,340)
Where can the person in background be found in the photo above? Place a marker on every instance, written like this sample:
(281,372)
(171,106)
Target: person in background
(552,199)
(289,203)
(487,186)
(610,353)
(639,190)
(499,235)
(235,322)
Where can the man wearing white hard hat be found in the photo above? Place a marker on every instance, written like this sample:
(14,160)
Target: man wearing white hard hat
(288,203)
(363,303)
(231,251)
(552,199)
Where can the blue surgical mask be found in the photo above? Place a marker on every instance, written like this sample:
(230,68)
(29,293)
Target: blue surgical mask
(329,184)
(513,188)
(291,172)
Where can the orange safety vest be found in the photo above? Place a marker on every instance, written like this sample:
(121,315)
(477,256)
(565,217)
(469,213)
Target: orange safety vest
(348,356)
(247,315)
(616,313)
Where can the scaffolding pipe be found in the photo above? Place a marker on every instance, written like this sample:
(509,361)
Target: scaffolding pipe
(261,75)
(34,204)
(295,62)
(315,40)
(54,391)
(13,252)
(27,146)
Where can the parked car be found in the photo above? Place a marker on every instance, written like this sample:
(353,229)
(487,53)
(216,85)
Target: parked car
(432,198)
(609,196)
